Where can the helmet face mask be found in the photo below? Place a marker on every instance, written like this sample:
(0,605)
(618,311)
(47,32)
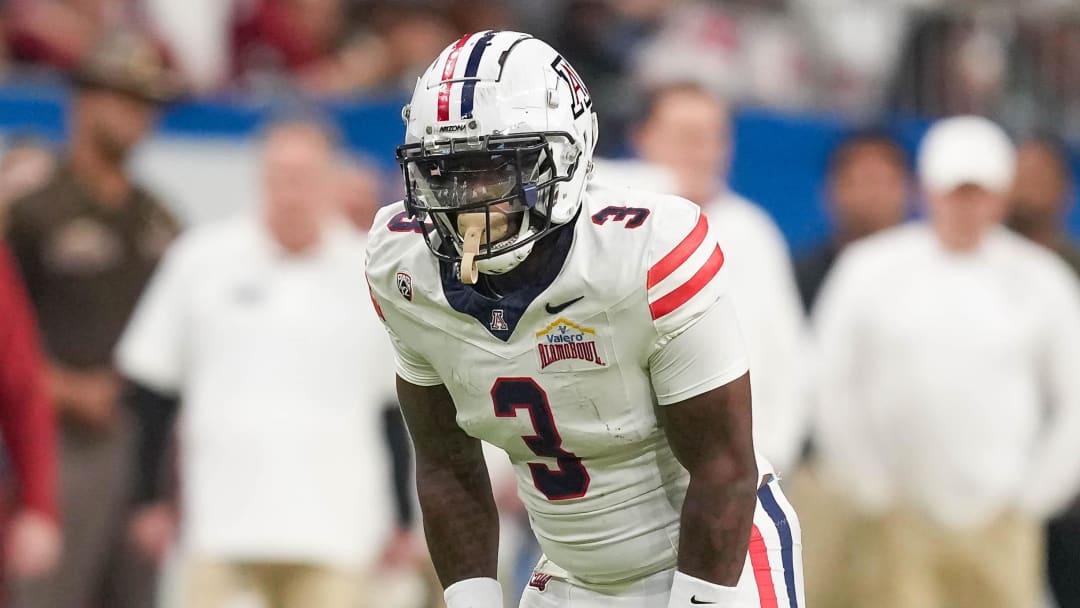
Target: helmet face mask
(499,136)
(512,175)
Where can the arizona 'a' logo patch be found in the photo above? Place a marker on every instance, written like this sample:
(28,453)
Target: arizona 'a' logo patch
(567,346)
(498,320)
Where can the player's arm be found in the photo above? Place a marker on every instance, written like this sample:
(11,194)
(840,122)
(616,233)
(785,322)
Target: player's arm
(698,369)
(701,381)
(460,520)
(710,434)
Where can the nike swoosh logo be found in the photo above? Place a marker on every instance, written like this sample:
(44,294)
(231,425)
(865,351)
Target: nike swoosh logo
(694,600)
(554,310)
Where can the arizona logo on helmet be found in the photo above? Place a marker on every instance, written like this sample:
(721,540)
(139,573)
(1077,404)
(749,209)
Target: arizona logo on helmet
(582,99)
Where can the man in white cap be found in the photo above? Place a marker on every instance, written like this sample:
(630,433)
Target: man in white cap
(949,406)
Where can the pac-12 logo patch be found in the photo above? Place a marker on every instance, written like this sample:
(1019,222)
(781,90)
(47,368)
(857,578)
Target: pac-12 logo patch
(404,285)
(569,347)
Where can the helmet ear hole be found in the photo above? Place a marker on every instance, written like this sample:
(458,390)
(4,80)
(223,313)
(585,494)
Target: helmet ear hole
(553,98)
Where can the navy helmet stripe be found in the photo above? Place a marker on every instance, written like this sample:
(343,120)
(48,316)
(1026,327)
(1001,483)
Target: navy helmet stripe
(787,551)
(468,90)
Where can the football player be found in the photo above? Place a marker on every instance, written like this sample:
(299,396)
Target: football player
(584,330)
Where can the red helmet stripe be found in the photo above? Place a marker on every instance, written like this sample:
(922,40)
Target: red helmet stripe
(447,74)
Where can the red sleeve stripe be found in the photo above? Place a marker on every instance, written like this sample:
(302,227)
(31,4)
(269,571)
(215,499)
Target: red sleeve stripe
(447,74)
(375,303)
(678,256)
(689,289)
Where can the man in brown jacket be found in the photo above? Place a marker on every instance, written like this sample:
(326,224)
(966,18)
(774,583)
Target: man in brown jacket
(87,243)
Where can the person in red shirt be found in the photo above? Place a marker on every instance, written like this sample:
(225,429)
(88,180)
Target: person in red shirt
(32,541)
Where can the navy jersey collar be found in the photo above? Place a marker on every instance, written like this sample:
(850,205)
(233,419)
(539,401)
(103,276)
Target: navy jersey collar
(500,316)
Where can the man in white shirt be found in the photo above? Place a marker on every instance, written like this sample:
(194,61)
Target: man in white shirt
(949,404)
(868,182)
(1042,195)
(686,130)
(262,327)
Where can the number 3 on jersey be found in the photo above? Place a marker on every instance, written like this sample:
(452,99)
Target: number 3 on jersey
(570,479)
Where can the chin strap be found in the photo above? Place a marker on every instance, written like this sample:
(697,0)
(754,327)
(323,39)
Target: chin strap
(469,272)
(473,228)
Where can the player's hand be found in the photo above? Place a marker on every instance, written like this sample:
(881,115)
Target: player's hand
(90,397)
(401,552)
(33,545)
(152,530)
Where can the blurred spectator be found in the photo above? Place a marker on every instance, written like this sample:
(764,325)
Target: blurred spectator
(403,565)
(414,31)
(1046,70)
(1041,195)
(600,39)
(62,33)
(867,185)
(334,46)
(258,330)
(856,47)
(954,62)
(747,51)
(634,174)
(686,130)
(196,33)
(469,16)
(321,46)
(86,244)
(949,403)
(344,46)
(26,165)
(27,421)
(359,185)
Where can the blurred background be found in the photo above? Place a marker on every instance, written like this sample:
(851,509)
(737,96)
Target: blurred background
(817,109)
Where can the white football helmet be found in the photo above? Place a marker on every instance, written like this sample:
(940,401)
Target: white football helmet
(500,131)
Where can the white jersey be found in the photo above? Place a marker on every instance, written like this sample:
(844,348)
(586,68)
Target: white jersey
(282,373)
(566,375)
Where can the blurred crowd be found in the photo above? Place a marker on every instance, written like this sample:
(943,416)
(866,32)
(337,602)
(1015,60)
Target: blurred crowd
(1016,58)
(197,413)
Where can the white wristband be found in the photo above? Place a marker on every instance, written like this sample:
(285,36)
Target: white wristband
(688,591)
(474,593)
